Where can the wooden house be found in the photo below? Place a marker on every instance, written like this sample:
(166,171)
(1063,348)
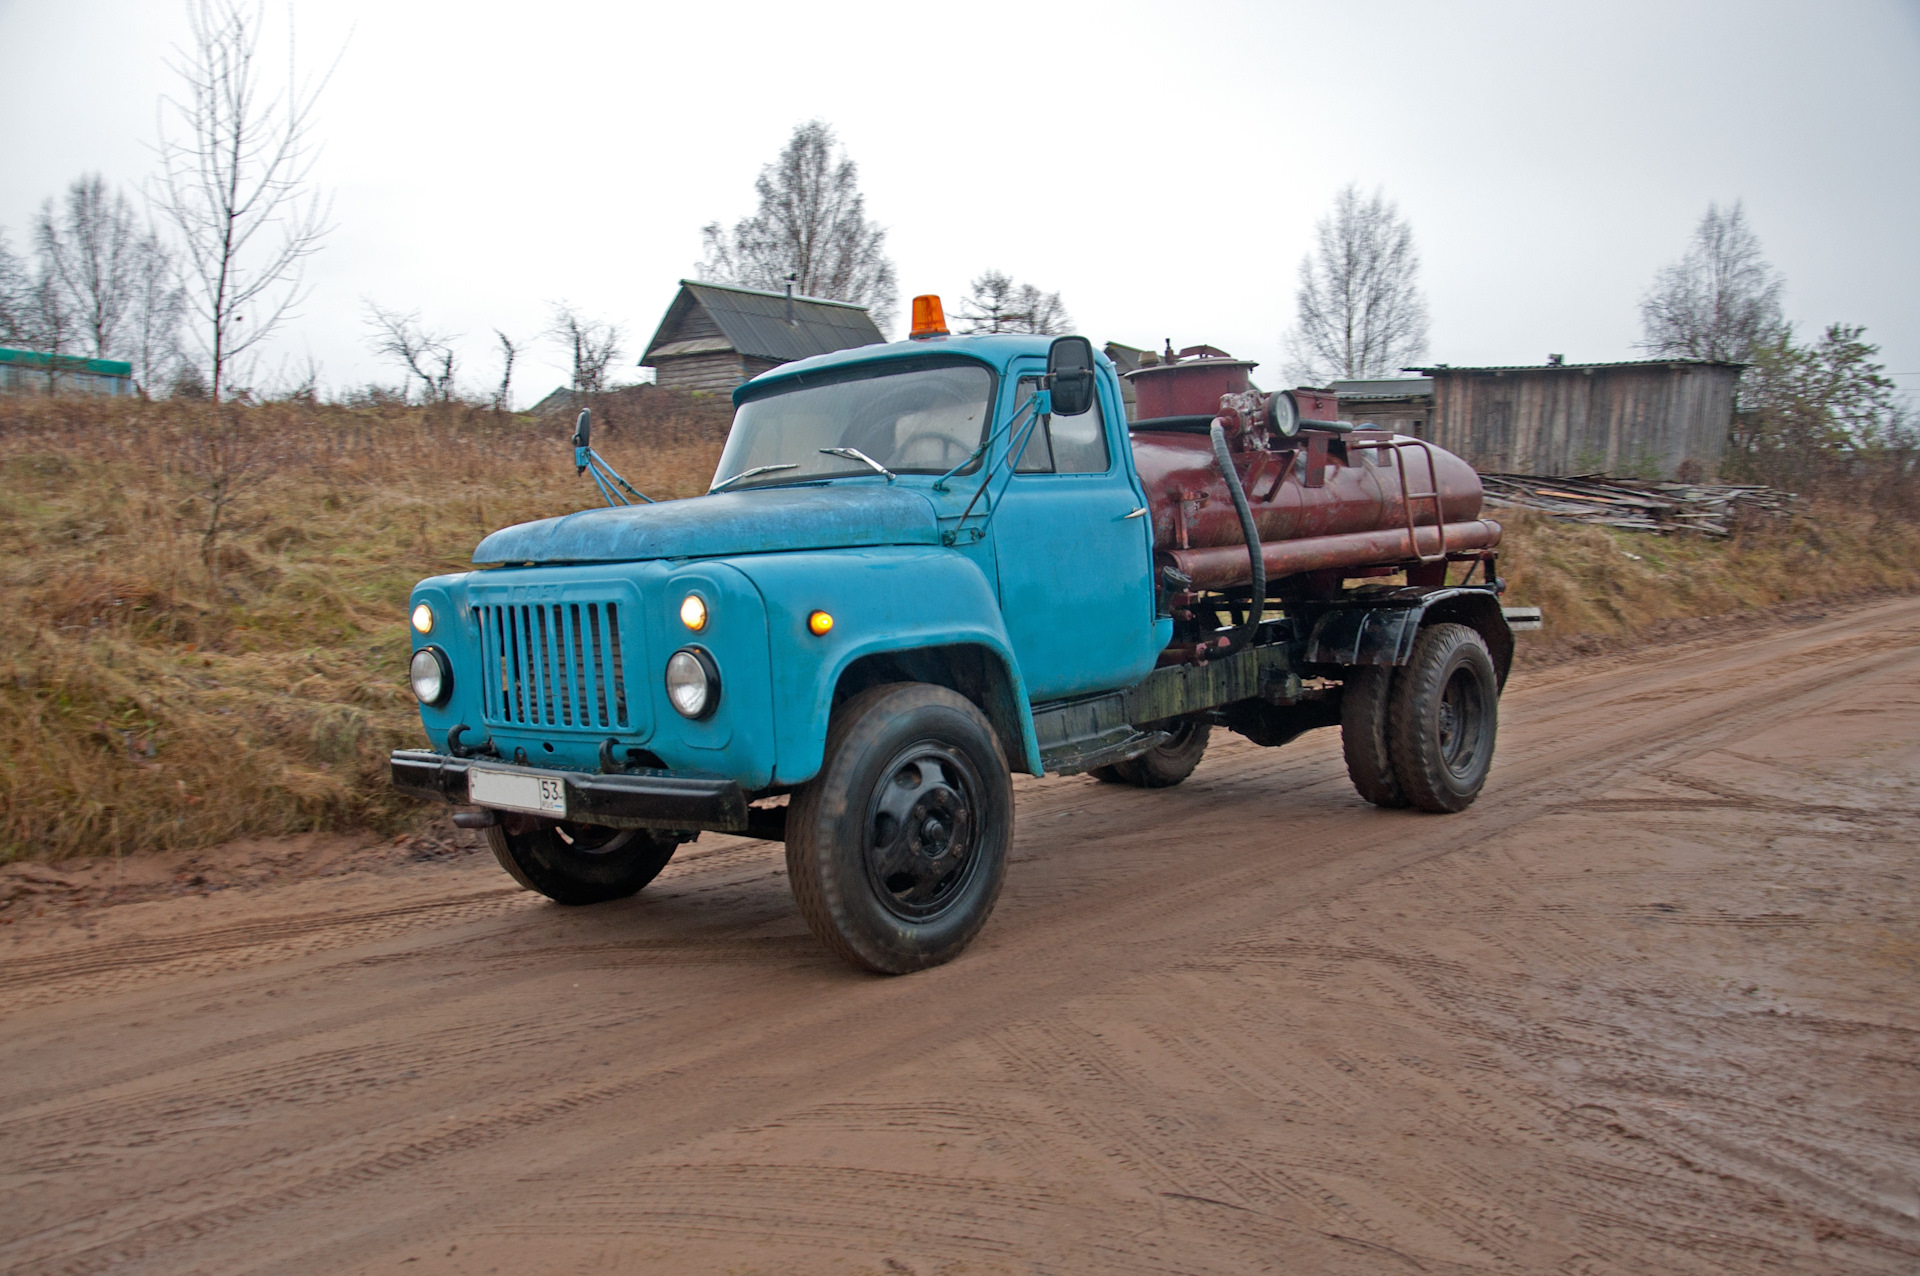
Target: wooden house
(715,336)
(1649,417)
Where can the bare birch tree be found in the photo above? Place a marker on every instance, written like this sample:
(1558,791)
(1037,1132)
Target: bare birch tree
(236,158)
(152,339)
(592,344)
(419,352)
(1720,301)
(91,245)
(811,226)
(997,304)
(1359,309)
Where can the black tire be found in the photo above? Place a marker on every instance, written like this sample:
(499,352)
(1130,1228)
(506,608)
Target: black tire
(1167,764)
(1109,775)
(1443,718)
(897,850)
(1365,699)
(578,863)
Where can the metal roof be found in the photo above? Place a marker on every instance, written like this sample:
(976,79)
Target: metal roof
(1384,388)
(1575,367)
(756,323)
(67,363)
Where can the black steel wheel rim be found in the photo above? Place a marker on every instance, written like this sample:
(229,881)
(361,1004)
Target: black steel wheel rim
(1462,722)
(921,836)
(591,839)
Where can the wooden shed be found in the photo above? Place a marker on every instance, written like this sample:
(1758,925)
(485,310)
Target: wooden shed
(1649,417)
(715,336)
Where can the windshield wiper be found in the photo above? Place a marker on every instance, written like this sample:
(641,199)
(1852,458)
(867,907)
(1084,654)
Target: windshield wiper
(726,483)
(855,454)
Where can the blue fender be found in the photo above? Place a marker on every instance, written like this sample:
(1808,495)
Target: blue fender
(882,599)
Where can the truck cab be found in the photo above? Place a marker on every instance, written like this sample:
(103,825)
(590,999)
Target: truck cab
(921,566)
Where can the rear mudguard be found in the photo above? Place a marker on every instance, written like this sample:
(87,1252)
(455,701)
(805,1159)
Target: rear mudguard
(1380,630)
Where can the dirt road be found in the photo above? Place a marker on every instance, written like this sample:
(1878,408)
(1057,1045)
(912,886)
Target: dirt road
(1650,1006)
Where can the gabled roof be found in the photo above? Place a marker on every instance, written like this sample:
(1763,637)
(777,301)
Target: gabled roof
(752,322)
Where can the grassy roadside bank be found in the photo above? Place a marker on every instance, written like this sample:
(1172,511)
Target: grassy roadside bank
(157,695)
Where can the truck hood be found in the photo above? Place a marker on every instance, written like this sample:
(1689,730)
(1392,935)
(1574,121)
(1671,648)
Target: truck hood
(831,516)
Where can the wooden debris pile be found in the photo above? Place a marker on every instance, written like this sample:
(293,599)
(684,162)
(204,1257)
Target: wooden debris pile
(1712,509)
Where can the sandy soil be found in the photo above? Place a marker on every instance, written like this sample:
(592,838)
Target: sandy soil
(1650,1006)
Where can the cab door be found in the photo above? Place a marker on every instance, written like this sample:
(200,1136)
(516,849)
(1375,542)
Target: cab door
(1073,551)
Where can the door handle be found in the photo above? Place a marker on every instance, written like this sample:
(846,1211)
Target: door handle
(1137,513)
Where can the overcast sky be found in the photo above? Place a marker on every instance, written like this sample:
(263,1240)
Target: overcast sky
(1160,165)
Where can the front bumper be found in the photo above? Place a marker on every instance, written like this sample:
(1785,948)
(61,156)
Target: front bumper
(643,800)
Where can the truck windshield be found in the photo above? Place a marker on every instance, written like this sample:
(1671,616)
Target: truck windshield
(920,420)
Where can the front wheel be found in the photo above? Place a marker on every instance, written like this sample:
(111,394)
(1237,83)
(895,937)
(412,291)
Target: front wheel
(896,851)
(578,863)
(1443,718)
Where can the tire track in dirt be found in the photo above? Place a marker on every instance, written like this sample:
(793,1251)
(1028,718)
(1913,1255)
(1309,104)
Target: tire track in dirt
(1092,937)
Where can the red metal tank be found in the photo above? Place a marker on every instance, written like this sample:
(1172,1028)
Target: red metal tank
(1189,387)
(1321,500)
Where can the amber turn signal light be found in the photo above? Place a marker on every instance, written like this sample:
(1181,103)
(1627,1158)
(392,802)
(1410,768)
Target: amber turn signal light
(693,613)
(929,320)
(819,624)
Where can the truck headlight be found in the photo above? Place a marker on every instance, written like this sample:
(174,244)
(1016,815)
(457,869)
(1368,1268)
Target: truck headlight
(432,676)
(693,682)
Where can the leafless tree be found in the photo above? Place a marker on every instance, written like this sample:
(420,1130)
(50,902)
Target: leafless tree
(421,353)
(1720,301)
(13,293)
(998,304)
(152,338)
(236,156)
(48,321)
(593,344)
(509,352)
(811,225)
(1359,309)
(90,245)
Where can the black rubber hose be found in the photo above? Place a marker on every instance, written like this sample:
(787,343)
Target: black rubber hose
(1257,603)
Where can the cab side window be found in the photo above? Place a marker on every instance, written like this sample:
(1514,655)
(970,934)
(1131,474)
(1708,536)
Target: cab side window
(1063,444)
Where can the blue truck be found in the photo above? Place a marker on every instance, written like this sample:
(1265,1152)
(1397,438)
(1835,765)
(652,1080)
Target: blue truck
(925,565)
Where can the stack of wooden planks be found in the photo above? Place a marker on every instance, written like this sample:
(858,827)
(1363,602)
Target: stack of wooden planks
(1712,509)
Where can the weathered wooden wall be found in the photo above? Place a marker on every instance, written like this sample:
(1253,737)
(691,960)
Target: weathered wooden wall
(1626,419)
(709,373)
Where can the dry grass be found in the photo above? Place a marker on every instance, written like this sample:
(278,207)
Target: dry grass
(147,702)
(1600,587)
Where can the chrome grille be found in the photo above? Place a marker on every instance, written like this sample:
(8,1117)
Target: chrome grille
(553,664)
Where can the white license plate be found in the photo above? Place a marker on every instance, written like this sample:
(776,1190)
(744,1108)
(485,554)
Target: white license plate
(517,791)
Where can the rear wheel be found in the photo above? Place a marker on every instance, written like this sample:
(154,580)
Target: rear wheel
(1364,699)
(896,851)
(1164,765)
(578,863)
(1443,716)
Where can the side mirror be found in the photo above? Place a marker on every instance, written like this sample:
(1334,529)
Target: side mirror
(582,441)
(1070,375)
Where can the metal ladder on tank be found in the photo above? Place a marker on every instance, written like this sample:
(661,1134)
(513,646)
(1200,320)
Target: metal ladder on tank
(1400,444)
